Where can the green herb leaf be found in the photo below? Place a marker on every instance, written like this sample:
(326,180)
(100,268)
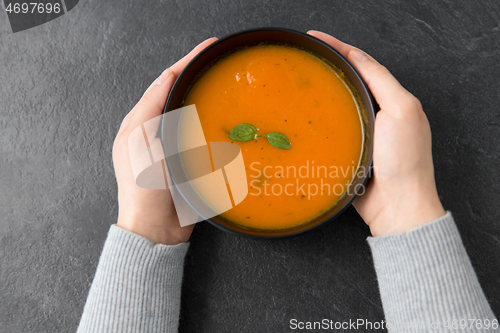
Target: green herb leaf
(244,132)
(279,140)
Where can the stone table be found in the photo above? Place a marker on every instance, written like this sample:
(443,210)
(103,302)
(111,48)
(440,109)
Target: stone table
(67,84)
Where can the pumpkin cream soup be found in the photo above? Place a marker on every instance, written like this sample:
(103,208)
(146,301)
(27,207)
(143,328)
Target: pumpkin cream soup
(304,135)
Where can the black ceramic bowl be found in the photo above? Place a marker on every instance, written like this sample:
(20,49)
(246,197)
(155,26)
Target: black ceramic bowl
(303,41)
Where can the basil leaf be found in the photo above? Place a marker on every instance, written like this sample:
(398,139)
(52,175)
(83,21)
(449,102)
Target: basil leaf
(279,140)
(244,132)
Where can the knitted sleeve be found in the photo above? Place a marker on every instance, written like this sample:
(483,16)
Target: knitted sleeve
(427,282)
(136,287)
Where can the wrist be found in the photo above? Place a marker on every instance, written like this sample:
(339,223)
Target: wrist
(167,232)
(408,211)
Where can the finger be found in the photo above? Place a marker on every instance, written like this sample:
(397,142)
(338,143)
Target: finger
(383,85)
(342,47)
(153,101)
(179,65)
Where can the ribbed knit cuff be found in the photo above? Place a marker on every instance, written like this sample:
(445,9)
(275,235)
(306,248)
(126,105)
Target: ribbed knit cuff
(425,276)
(136,287)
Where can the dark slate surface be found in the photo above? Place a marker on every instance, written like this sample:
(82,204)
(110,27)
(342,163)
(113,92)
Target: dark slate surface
(66,85)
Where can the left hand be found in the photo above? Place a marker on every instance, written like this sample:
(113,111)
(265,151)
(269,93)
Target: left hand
(149,213)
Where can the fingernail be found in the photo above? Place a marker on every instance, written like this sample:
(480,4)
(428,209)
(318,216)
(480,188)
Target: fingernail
(164,76)
(358,55)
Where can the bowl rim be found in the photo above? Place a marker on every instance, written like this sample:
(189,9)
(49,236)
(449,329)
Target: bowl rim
(371,108)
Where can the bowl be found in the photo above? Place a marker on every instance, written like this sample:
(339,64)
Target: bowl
(303,41)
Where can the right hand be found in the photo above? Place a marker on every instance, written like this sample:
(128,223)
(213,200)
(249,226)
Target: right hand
(402,194)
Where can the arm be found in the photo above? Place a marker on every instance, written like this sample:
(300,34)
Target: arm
(423,270)
(136,287)
(137,284)
(426,278)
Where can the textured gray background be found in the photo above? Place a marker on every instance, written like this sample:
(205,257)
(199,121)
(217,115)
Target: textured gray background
(66,85)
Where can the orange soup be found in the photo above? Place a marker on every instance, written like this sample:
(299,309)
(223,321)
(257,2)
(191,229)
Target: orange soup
(283,89)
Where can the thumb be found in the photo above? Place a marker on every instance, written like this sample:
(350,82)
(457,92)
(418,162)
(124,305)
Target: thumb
(153,100)
(151,104)
(383,85)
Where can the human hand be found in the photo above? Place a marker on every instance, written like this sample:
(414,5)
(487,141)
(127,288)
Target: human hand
(402,194)
(149,213)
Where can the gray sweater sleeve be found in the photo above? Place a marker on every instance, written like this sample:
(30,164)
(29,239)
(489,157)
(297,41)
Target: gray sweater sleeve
(136,287)
(426,280)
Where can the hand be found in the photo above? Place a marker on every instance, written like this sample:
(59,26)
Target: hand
(402,194)
(149,213)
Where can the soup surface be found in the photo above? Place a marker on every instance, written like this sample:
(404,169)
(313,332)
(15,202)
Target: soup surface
(283,89)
